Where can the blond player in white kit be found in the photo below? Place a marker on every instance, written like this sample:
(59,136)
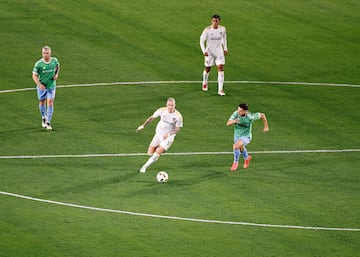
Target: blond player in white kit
(170,123)
(213,44)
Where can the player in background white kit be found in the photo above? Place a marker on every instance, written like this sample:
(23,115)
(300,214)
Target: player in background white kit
(214,47)
(170,123)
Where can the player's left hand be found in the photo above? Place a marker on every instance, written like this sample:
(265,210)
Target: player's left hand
(266,129)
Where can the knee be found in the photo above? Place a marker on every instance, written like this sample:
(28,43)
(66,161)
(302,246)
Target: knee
(238,145)
(160,150)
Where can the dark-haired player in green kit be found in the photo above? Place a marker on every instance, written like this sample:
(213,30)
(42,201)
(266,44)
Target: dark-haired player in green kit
(45,73)
(243,119)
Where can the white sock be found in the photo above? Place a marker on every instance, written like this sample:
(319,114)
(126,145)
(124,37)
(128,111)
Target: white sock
(151,160)
(205,77)
(220,80)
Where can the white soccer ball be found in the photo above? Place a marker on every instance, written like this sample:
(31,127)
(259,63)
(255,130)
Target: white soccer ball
(162,177)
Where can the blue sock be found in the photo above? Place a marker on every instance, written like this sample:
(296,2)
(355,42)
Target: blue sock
(236,155)
(50,111)
(42,109)
(245,154)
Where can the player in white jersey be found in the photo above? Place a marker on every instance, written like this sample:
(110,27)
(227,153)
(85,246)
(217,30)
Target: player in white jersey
(170,123)
(213,44)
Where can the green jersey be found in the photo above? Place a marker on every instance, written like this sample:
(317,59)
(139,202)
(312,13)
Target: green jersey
(244,126)
(46,71)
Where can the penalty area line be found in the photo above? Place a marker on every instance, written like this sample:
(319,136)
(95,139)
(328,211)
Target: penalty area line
(175,217)
(183,153)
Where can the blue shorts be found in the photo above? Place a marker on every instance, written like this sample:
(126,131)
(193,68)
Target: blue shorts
(48,93)
(245,140)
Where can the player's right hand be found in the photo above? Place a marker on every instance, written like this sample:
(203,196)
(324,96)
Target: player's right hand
(141,127)
(41,86)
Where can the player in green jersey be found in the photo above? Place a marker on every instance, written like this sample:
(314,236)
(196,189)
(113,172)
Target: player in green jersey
(242,120)
(45,73)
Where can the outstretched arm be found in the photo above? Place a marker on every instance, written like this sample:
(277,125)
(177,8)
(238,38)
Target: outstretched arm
(266,126)
(142,126)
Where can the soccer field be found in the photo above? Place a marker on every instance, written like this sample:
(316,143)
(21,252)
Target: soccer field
(76,190)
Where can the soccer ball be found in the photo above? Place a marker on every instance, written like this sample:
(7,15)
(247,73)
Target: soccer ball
(162,177)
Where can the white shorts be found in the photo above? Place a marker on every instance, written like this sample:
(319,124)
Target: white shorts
(164,143)
(212,60)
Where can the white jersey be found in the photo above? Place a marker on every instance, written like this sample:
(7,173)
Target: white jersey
(168,121)
(215,39)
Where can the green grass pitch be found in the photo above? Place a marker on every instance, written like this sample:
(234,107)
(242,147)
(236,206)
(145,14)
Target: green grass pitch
(142,41)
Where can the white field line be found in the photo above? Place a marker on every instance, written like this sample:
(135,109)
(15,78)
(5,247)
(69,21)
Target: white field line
(184,153)
(176,218)
(188,82)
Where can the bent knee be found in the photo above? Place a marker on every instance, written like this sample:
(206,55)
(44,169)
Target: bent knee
(238,145)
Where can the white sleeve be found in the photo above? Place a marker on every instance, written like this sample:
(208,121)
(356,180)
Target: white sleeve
(157,113)
(224,41)
(203,40)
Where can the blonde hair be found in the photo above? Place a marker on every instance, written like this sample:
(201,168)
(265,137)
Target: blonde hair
(46,48)
(171,99)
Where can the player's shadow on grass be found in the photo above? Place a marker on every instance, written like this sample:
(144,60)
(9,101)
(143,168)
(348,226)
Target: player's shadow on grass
(21,131)
(200,177)
(151,186)
(88,186)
